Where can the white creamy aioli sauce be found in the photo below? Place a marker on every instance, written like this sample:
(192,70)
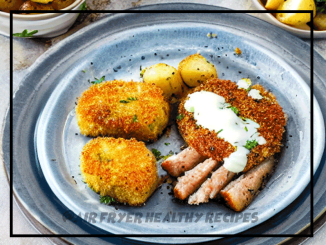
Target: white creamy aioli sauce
(255,94)
(244,83)
(212,112)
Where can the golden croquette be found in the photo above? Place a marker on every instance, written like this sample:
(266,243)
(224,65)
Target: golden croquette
(123,109)
(122,169)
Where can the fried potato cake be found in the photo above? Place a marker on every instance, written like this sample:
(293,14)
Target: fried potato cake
(123,109)
(266,112)
(122,169)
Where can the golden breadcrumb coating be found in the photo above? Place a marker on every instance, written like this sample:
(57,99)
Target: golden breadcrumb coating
(123,109)
(266,112)
(123,169)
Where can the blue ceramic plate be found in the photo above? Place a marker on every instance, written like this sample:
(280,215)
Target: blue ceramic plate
(120,56)
(116,47)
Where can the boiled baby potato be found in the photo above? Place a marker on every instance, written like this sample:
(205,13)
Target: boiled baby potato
(7,5)
(296,18)
(29,5)
(195,70)
(42,1)
(166,77)
(61,4)
(320,22)
(273,4)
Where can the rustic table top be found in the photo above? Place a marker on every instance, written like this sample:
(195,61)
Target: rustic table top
(26,51)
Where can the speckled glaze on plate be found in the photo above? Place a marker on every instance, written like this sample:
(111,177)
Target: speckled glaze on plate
(59,86)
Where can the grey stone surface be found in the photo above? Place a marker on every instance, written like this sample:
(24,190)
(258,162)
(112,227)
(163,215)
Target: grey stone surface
(26,51)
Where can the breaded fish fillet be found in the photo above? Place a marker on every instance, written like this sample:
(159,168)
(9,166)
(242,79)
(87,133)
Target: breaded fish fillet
(266,112)
(123,109)
(123,169)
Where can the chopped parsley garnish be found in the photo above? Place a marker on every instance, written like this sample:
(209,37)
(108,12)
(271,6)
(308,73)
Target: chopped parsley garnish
(128,100)
(142,72)
(25,33)
(83,6)
(248,89)
(234,109)
(151,126)
(84,71)
(321,6)
(167,156)
(180,117)
(219,131)
(97,81)
(132,98)
(251,144)
(157,154)
(166,143)
(246,129)
(135,119)
(106,199)
(124,101)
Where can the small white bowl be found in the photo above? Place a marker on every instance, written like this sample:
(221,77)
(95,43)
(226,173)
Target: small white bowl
(48,25)
(271,19)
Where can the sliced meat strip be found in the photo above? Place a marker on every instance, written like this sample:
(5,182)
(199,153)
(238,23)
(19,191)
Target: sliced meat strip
(211,187)
(192,179)
(240,192)
(220,179)
(184,161)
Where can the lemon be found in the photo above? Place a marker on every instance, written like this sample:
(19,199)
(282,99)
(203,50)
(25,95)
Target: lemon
(296,18)
(273,4)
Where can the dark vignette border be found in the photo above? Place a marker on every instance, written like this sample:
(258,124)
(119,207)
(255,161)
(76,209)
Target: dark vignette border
(162,235)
